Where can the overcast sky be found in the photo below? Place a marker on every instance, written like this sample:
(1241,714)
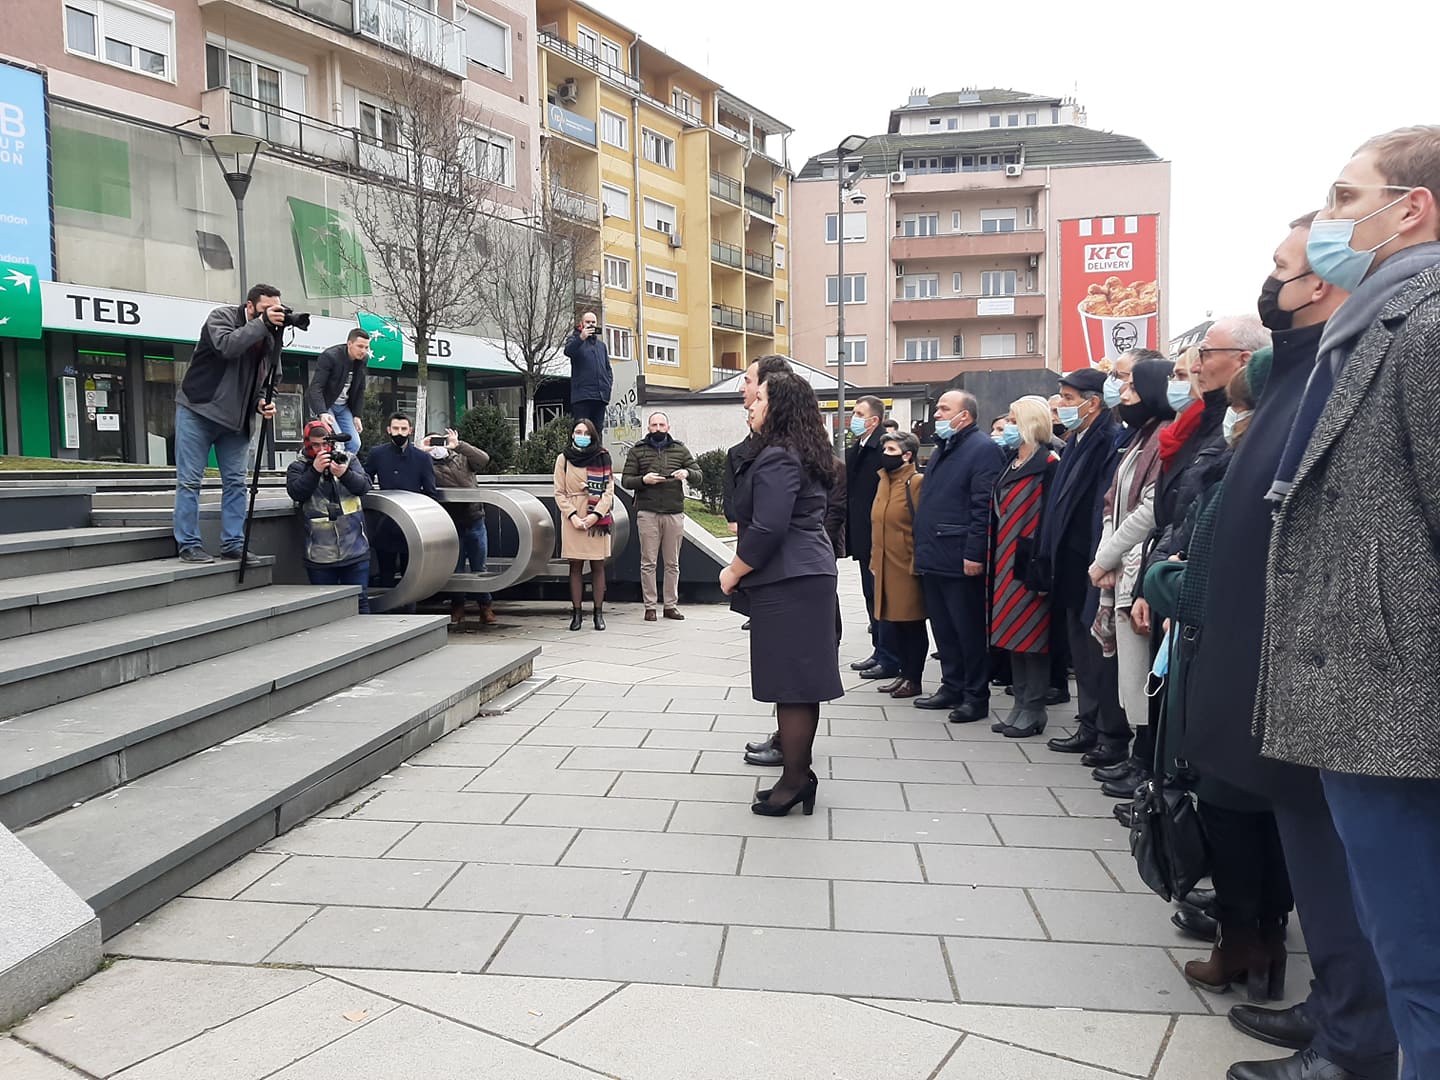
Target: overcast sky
(1256,108)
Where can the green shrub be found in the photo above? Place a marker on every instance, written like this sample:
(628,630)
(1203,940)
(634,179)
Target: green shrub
(712,479)
(538,452)
(486,428)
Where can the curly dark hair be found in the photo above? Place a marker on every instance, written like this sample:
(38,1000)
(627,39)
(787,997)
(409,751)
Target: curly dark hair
(792,421)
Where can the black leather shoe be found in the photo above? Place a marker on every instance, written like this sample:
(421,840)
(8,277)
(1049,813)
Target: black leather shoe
(969,712)
(772,743)
(1056,696)
(942,699)
(866,664)
(1204,899)
(1125,787)
(1009,691)
(1074,744)
(1306,1065)
(1192,922)
(1125,814)
(577,619)
(1118,771)
(599,621)
(764,757)
(1291,1028)
(878,672)
(745,625)
(934,656)
(1103,757)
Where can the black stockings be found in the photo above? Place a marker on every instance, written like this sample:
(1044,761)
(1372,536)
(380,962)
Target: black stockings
(577,583)
(798,724)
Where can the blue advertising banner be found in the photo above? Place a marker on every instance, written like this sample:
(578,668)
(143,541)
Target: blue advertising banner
(25,234)
(572,124)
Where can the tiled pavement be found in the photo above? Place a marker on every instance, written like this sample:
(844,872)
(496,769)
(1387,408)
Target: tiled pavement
(578,889)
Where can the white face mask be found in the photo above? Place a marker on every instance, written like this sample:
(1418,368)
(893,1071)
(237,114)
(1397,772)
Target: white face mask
(1231,421)
(439,453)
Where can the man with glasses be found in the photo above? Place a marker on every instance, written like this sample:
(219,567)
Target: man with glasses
(1350,678)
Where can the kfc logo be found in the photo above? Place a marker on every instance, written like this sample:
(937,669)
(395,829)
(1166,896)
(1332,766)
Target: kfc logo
(1108,258)
(1125,335)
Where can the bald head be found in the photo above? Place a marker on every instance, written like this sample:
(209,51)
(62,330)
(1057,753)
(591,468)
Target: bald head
(958,407)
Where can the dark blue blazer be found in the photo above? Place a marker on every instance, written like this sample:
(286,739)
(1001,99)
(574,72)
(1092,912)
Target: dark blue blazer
(591,378)
(780,512)
(952,518)
(411,469)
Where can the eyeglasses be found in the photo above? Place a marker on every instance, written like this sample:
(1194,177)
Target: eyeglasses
(1339,191)
(1204,350)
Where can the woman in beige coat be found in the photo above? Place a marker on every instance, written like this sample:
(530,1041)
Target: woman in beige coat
(899,601)
(584,495)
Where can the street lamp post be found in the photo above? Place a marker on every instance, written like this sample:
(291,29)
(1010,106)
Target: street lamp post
(848,145)
(237,179)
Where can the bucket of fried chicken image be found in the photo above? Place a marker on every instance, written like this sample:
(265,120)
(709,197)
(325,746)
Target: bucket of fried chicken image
(1117,316)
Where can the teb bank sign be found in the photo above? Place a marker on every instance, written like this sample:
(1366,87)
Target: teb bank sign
(25,232)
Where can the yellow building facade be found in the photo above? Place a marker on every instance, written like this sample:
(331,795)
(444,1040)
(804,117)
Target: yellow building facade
(687,189)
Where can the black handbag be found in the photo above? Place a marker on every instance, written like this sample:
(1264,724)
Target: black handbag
(1166,839)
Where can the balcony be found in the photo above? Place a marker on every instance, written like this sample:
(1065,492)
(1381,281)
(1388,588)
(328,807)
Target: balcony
(575,205)
(412,30)
(289,132)
(587,287)
(584,58)
(759,323)
(950,308)
(727,317)
(759,203)
(966,244)
(725,187)
(756,263)
(339,13)
(726,254)
(572,125)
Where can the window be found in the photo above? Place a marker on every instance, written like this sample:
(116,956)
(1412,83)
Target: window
(659,149)
(854,289)
(997,221)
(1029,217)
(927,348)
(662,349)
(994,120)
(997,345)
(610,54)
(856,349)
(495,157)
(615,129)
(246,78)
(620,343)
(1054,115)
(587,39)
(957,345)
(953,124)
(1029,280)
(955,283)
(779,312)
(379,125)
(955,221)
(1031,119)
(921,287)
(987,162)
(779,202)
(854,227)
(1013,120)
(662,283)
(487,42)
(779,256)
(1030,343)
(125,33)
(935,122)
(617,274)
(615,201)
(920,225)
(685,103)
(659,215)
(997,283)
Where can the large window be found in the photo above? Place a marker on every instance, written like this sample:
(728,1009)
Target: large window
(662,283)
(617,273)
(920,225)
(854,227)
(997,345)
(927,348)
(659,149)
(779,202)
(616,201)
(610,53)
(379,125)
(921,287)
(587,39)
(685,102)
(997,282)
(620,342)
(854,289)
(779,312)
(125,33)
(615,129)
(659,215)
(856,350)
(487,42)
(495,157)
(997,221)
(662,349)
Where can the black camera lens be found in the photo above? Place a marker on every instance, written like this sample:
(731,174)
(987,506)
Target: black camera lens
(298,319)
(338,457)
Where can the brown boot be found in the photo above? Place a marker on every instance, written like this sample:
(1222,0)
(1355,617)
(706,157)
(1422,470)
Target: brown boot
(457,612)
(907,689)
(487,615)
(1237,957)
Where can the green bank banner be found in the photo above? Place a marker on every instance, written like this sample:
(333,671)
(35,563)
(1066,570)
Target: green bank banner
(20,309)
(386,345)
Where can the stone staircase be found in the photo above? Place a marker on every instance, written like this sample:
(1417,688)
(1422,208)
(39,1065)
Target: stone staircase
(158,720)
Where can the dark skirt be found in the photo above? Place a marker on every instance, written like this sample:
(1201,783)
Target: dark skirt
(794,647)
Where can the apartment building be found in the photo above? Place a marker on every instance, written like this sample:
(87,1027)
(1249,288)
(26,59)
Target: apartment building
(143,228)
(994,231)
(687,188)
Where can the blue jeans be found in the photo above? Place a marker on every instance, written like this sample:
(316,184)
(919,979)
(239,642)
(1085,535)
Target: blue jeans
(345,421)
(356,573)
(474,549)
(194,436)
(1391,833)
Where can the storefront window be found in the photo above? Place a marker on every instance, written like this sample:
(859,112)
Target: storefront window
(163,374)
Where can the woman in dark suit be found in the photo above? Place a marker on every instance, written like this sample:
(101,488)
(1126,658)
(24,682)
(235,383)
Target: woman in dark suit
(785,563)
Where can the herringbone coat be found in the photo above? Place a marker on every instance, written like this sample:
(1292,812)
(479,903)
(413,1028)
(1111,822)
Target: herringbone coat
(1350,668)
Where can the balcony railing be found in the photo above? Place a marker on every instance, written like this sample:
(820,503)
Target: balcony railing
(719,374)
(759,203)
(757,263)
(587,286)
(339,13)
(759,323)
(575,204)
(726,254)
(585,58)
(287,130)
(725,187)
(729,318)
(409,29)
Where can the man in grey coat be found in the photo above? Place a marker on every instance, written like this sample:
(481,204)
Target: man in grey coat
(1350,671)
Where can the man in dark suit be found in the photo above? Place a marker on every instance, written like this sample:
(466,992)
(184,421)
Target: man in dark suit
(1068,538)
(952,540)
(862,479)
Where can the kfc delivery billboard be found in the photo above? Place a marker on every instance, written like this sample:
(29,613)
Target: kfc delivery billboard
(1109,288)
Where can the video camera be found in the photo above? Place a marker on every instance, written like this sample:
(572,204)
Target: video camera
(335,439)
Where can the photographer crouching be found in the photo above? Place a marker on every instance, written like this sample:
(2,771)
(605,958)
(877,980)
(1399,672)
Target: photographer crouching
(326,484)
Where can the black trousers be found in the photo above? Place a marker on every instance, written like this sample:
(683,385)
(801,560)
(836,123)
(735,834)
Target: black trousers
(1059,655)
(593,411)
(1097,681)
(910,643)
(1247,865)
(1347,998)
(958,617)
(880,647)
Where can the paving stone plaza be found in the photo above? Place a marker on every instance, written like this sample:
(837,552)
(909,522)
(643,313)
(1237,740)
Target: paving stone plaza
(577,888)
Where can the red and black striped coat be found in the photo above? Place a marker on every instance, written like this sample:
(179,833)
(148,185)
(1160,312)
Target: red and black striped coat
(1019,614)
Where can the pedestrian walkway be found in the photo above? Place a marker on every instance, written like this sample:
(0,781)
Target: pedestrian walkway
(578,889)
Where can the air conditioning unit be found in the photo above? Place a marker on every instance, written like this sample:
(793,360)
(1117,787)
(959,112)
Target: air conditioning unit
(897,177)
(1034,261)
(569,92)
(1014,170)
(675,239)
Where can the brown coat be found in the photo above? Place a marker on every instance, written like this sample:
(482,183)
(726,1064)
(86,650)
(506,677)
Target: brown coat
(898,597)
(571,497)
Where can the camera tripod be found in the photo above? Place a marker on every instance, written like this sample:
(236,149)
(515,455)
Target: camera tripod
(271,378)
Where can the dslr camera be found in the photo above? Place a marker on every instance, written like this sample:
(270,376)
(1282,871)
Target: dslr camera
(300,320)
(336,439)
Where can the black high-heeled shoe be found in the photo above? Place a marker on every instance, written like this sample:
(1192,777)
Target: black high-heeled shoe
(577,618)
(805,795)
(761,796)
(599,620)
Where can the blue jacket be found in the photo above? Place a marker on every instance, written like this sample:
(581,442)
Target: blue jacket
(590,374)
(411,469)
(952,520)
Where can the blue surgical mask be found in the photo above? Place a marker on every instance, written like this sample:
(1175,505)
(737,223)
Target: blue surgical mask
(998,440)
(1113,389)
(1232,418)
(1329,252)
(1179,397)
(857,426)
(581,441)
(1010,436)
(943,429)
(1069,416)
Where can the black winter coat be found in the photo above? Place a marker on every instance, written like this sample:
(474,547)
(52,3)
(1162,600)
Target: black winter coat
(862,479)
(952,521)
(331,367)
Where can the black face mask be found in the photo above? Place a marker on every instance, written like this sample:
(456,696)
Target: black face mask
(399,441)
(1060,430)
(891,462)
(1135,414)
(1272,315)
(658,439)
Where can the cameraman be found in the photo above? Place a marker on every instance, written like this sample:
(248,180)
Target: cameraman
(326,484)
(238,348)
(457,463)
(590,376)
(337,392)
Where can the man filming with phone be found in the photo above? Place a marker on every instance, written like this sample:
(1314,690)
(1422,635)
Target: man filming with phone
(326,484)
(591,379)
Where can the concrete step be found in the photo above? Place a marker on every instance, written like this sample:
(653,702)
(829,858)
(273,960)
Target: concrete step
(55,757)
(36,505)
(150,512)
(30,605)
(61,665)
(46,551)
(184,822)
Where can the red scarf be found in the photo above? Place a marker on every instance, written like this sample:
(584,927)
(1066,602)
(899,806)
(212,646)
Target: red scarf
(1173,437)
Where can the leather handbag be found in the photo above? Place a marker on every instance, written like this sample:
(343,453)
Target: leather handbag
(1166,839)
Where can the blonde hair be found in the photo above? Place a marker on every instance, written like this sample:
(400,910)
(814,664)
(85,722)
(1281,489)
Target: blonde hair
(1186,361)
(1032,417)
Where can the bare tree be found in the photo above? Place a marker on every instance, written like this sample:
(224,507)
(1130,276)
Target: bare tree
(425,207)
